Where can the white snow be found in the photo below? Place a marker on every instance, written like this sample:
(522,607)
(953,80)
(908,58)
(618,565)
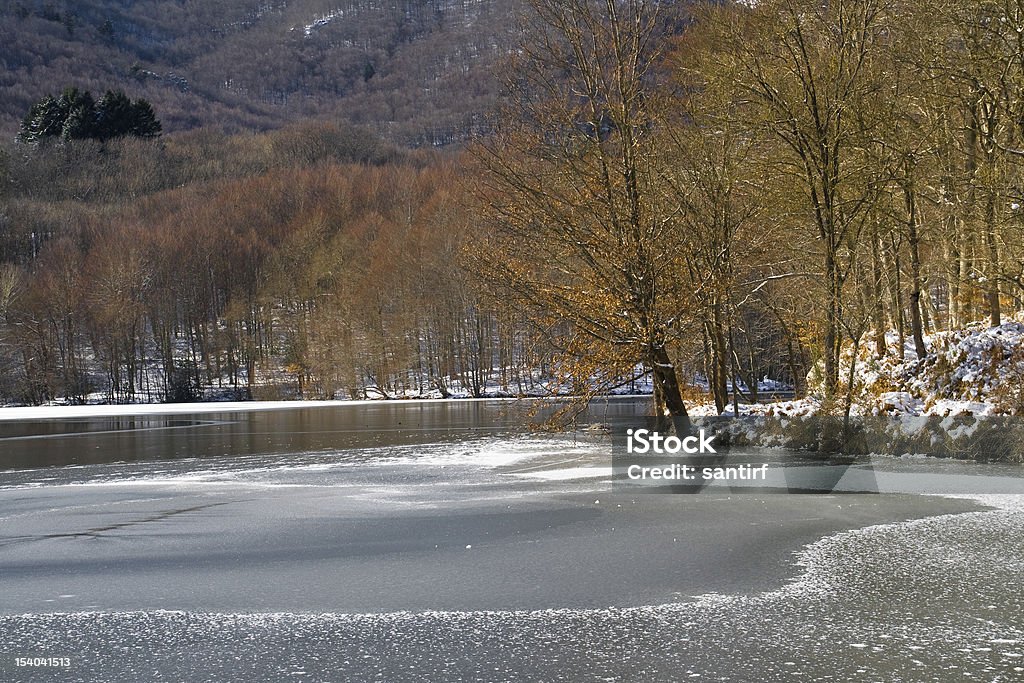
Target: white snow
(973,371)
(321,21)
(977,371)
(568,473)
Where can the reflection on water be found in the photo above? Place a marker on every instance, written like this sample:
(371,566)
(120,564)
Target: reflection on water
(316,446)
(41,429)
(43,443)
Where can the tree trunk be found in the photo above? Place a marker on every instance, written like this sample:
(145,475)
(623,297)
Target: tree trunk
(992,283)
(965,308)
(720,368)
(877,297)
(896,300)
(913,241)
(668,395)
(833,320)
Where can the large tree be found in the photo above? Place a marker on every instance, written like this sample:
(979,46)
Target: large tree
(583,231)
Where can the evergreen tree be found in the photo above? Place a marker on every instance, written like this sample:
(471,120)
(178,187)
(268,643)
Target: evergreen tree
(115,115)
(144,121)
(106,31)
(79,111)
(76,116)
(43,120)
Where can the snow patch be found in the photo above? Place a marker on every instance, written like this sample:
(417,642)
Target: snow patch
(322,21)
(569,473)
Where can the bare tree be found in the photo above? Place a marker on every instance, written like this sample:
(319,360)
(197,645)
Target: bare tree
(581,229)
(809,77)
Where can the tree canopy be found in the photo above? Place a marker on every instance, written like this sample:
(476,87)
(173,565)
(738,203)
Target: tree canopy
(75,115)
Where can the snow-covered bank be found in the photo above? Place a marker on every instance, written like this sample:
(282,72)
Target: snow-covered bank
(983,437)
(962,399)
(977,371)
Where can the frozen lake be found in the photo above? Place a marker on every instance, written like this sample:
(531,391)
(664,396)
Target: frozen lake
(443,541)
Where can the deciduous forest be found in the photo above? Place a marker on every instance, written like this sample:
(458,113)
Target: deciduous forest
(697,196)
(421,72)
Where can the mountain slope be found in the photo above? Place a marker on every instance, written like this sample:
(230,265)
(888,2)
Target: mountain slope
(419,71)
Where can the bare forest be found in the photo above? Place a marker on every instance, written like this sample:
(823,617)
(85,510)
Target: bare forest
(690,196)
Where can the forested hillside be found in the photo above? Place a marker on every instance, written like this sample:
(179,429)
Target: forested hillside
(707,195)
(417,71)
(313,261)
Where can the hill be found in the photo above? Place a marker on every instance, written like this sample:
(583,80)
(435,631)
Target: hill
(419,72)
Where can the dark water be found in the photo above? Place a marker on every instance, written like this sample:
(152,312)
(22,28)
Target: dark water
(81,441)
(243,440)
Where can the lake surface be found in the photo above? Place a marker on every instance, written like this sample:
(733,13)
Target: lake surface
(92,440)
(445,541)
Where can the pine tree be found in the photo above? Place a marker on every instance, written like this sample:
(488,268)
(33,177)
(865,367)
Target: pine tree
(76,116)
(79,111)
(106,31)
(43,120)
(115,115)
(144,121)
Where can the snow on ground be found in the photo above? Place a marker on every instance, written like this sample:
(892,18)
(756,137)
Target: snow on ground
(321,21)
(978,370)
(795,408)
(569,473)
